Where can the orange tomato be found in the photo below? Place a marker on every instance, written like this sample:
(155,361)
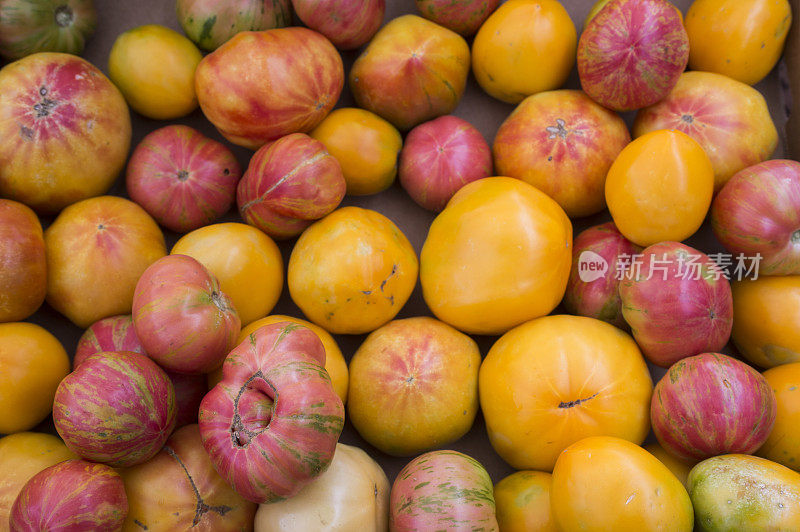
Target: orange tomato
(555,380)
(96,251)
(604,483)
(680,468)
(660,188)
(22,455)
(522,502)
(23,269)
(742,39)
(766,320)
(32,364)
(352,271)
(525,47)
(498,255)
(783,443)
(366,147)
(246,262)
(334,360)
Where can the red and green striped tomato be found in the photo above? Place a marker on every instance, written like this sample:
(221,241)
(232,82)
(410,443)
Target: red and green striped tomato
(31,26)
(271,425)
(294,78)
(178,489)
(289,184)
(461,16)
(442,490)
(182,178)
(72,495)
(632,53)
(117,408)
(183,319)
(109,334)
(65,131)
(210,23)
(347,23)
(118,334)
(712,404)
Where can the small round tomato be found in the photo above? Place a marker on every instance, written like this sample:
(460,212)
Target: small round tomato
(742,39)
(525,47)
(366,147)
(154,68)
(679,467)
(498,255)
(352,271)
(660,187)
(335,364)
(766,318)
(604,483)
(32,364)
(246,262)
(783,443)
(22,455)
(522,502)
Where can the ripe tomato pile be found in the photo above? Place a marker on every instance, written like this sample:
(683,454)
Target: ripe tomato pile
(407,265)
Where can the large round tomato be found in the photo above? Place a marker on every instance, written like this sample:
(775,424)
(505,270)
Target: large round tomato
(525,47)
(32,364)
(555,380)
(335,364)
(660,187)
(246,262)
(766,320)
(783,443)
(22,455)
(742,39)
(498,255)
(603,483)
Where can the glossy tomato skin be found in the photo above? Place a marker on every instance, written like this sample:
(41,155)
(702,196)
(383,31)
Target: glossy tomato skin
(729,119)
(660,188)
(758,212)
(271,425)
(783,443)
(498,255)
(511,62)
(23,267)
(558,379)
(603,483)
(742,39)
(766,318)
(440,490)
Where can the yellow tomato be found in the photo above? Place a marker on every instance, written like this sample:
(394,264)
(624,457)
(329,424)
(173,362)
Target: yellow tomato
(604,483)
(334,360)
(22,455)
(522,501)
(783,443)
(498,255)
(247,263)
(366,147)
(555,380)
(415,386)
(766,320)
(660,188)
(352,271)
(680,468)
(32,363)
(742,39)
(525,47)
(154,68)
